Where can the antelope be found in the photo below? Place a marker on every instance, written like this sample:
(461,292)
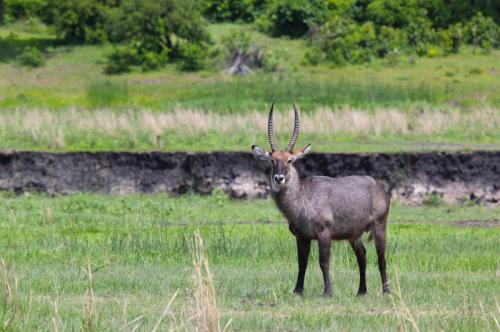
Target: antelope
(324,209)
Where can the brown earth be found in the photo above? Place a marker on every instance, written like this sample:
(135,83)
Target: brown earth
(408,176)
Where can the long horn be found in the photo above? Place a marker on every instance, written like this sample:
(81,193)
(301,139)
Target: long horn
(270,129)
(296,129)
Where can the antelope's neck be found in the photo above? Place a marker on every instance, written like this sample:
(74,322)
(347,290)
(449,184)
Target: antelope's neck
(287,199)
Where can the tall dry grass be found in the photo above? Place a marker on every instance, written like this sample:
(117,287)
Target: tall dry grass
(54,128)
(10,305)
(207,316)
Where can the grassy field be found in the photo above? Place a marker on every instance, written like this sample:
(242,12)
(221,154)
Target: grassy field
(105,263)
(343,130)
(447,103)
(73,77)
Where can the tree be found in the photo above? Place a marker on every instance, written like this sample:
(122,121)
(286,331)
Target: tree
(2,11)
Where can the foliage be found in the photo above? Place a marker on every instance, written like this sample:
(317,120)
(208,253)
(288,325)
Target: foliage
(293,17)
(22,9)
(420,34)
(120,60)
(31,57)
(192,56)
(390,41)
(482,31)
(178,33)
(343,41)
(81,21)
(232,10)
(433,200)
(393,13)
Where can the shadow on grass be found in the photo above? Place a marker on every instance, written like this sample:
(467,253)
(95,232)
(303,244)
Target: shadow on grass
(11,46)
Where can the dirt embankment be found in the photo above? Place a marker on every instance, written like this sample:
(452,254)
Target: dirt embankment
(408,176)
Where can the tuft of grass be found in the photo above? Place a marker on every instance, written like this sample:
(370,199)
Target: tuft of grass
(434,199)
(206,318)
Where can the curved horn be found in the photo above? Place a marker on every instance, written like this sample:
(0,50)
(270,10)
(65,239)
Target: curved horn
(270,129)
(296,128)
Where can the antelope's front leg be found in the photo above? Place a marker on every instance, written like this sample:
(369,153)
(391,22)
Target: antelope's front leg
(324,243)
(303,248)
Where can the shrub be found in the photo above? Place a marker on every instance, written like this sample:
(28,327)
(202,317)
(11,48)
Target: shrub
(482,31)
(433,200)
(31,57)
(390,41)
(420,34)
(120,60)
(313,56)
(18,9)
(342,41)
(293,17)
(81,21)
(394,13)
(231,10)
(192,56)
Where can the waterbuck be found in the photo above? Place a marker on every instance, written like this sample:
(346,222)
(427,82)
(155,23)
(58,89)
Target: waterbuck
(324,208)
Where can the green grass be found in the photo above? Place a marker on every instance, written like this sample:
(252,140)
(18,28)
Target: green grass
(138,249)
(464,80)
(35,103)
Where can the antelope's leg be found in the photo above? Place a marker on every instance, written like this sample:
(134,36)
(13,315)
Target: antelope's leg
(360,251)
(324,243)
(303,248)
(379,238)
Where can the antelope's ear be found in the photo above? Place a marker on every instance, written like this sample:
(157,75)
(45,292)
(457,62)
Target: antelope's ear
(261,153)
(302,153)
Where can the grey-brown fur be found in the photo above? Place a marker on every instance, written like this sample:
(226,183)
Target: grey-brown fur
(323,208)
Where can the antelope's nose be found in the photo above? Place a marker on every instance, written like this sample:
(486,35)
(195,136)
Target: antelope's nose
(279,178)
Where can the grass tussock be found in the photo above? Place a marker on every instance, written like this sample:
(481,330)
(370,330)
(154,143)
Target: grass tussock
(102,129)
(207,315)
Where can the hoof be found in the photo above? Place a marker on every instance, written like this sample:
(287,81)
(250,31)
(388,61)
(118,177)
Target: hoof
(327,293)
(361,292)
(298,291)
(386,291)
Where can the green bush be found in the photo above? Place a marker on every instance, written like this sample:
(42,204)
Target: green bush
(82,21)
(31,57)
(192,57)
(293,17)
(482,31)
(393,13)
(390,41)
(343,41)
(433,200)
(421,34)
(120,60)
(232,10)
(18,9)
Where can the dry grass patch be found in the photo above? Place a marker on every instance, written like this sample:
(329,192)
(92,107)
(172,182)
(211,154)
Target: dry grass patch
(58,130)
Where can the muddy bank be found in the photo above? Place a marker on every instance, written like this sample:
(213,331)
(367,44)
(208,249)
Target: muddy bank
(408,176)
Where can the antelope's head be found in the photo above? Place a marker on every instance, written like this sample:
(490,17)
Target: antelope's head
(281,160)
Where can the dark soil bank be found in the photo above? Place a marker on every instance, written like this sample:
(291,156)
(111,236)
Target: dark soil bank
(408,176)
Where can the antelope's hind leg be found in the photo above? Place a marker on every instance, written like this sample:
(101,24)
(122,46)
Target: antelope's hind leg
(303,248)
(360,251)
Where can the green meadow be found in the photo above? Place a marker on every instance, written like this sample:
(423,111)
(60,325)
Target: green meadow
(106,263)
(412,104)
